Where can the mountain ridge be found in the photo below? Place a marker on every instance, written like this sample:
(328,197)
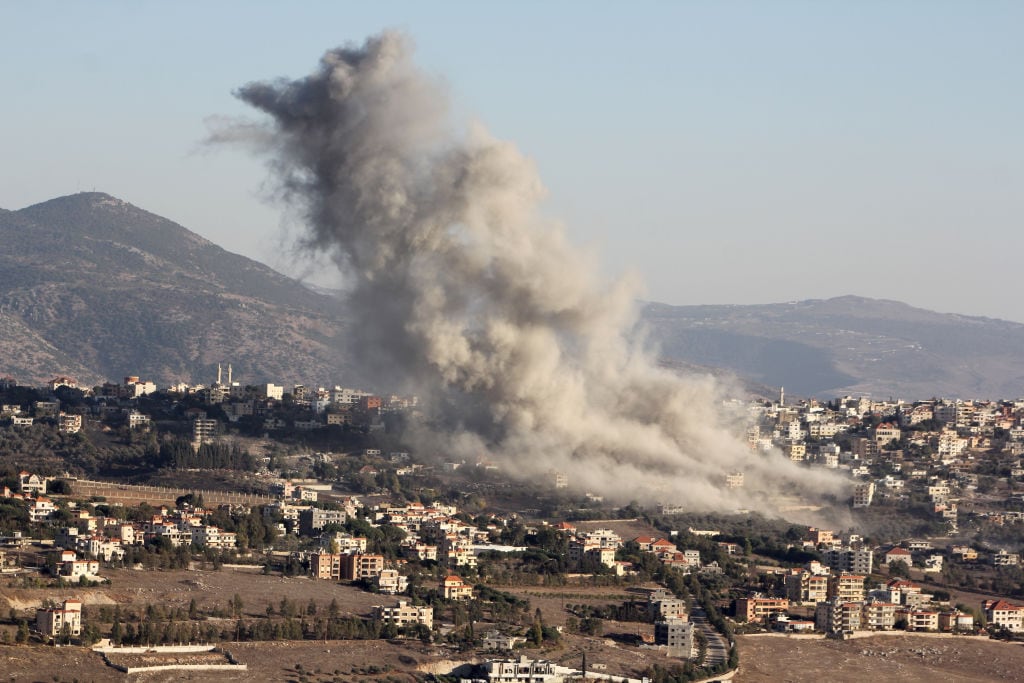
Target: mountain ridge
(115,290)
(849,344)
(96,288)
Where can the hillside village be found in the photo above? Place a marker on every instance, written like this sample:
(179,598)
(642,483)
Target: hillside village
(932,499)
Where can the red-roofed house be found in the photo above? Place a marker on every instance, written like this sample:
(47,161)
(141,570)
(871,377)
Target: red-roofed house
(1005,614)
(454,588)
(898,553)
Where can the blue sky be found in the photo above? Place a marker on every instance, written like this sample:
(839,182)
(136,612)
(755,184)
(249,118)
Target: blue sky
(731,152)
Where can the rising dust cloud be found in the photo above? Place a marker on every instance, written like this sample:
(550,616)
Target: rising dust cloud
(459,287)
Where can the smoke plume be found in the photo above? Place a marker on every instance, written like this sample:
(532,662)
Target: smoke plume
(461,287)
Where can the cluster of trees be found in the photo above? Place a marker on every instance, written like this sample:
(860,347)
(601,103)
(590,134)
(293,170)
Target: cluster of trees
(49,451)
(179,454)
(539,633)
(681,673)
(384,540)
(627,611)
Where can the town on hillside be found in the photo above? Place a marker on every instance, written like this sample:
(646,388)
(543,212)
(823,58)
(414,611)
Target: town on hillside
(148,523)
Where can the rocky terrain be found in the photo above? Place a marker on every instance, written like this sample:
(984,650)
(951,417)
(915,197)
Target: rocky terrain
(96,288)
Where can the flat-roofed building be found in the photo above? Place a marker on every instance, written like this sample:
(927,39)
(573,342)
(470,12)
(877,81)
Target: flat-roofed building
(759,609)
(63,620)
(405,614)
(676,635)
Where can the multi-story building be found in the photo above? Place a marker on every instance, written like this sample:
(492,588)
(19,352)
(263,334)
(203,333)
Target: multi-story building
(32,484)
(919,619)
(760,609)
(63,620)
(855,561)
(522,670)
(1003,613)
(950,444)
(76,569)
(46,408)
(203,431)
(325,566)
(879,616)
(863,494)
(69,424)
(676,635)
(213,537)
(666,606)
(818,537)
(41,510)
(137,420)
(804,586)
(405,614)
(955,620)
(271,391)
(454,588)
(391,582)
(454,554)
(833,616)
(1005,559)
(846,587)
(100,547)
(886,433)
(863,447)
(312,520)
(345,543)
(358,566)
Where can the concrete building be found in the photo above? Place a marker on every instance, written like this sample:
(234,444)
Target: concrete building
(804,586)
(863,494)
(357,567)
(759,609)
(676,635)
(56,621)
(313,520)
(454,588)
(846,587)
(391,582)
(854,561)
(834,616)
(405,614)
(325,566)
(203,430)
(520,670)
(1005,614)
(879,616)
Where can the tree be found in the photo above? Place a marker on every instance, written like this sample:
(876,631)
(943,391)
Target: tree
(592,626)
(236,605)
(899,568)
(536,635)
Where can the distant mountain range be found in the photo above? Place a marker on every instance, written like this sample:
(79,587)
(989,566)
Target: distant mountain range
(848,345)
(96,288)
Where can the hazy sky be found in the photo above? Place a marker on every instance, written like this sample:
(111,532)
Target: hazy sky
(732,152)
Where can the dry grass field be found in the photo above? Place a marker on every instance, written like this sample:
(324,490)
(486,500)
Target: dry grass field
(177,588)
(763,659)
(766,659)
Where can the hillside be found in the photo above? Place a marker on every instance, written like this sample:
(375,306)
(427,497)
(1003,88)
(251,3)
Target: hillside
(97,288)
(848,345)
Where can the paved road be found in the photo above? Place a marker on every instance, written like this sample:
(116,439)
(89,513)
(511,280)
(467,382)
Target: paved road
(718,647)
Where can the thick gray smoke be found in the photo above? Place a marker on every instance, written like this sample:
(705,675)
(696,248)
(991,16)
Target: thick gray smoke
(462,288)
